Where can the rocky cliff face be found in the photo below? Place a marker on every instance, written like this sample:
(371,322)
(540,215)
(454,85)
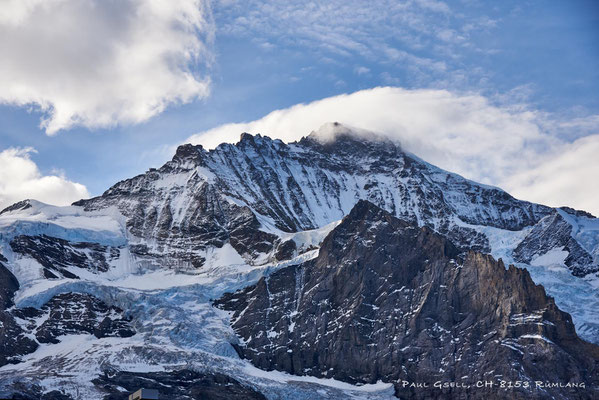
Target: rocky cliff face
(56,255)
(554,232)
(23,329)
(8,285)
(75,313)
(13,340)
(386,299)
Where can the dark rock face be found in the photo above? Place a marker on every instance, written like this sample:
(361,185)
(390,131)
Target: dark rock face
(21,205)
(176,385)
(553,232)
(286,250)
(8,285)
(13,341)
(388,300)
(72,313)
(56,255)
(208,218)
(67,313)
(577,213)
(245,235)
(435,193)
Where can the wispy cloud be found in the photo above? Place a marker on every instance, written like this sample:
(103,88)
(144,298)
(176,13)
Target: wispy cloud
(508,146)
(100,63)
(361,70)
(20,178)
(403,34)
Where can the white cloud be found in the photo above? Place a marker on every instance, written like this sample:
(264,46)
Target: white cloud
(511,147)
(568,176)
(99,63)
(21,179)
(361,70)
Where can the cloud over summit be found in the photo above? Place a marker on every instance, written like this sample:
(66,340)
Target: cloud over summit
(521,150)
(100,63)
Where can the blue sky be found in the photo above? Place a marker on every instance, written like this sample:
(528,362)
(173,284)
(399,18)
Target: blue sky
(525,60)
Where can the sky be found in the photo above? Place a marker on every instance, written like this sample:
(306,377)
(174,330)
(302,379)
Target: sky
(96,91)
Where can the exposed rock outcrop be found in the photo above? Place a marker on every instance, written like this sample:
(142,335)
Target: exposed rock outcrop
(553,232)
(14,342)
(8,285)
(57,255)
(63,314)
(389,300)
(76,313)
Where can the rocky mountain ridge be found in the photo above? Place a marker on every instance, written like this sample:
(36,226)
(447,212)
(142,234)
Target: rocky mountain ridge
(247,193)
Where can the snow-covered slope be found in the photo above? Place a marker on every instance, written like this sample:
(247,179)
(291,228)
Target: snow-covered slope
(161,245)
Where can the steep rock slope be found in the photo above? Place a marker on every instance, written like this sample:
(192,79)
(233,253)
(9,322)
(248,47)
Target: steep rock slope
(388,300)
(551,233)
(246,194)
(22,330)
(13,339)
(56,255)
(8,285)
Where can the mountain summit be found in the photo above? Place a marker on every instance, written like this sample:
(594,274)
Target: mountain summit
(335,131)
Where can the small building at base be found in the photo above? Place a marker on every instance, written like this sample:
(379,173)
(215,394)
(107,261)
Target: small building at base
(144,394)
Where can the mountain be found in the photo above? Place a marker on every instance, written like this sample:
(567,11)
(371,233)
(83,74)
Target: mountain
(387,300)
(248,193)
(134,273)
